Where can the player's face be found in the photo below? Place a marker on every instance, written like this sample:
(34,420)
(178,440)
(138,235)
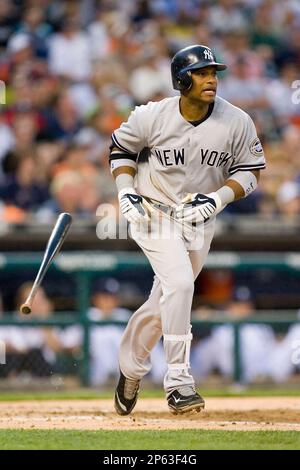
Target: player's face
(204,84)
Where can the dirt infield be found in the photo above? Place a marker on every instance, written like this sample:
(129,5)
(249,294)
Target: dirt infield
(272,413)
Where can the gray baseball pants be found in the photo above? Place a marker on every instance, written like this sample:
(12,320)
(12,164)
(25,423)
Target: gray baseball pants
(176,261)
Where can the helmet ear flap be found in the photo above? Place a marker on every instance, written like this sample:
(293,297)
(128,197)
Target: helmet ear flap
(184,80)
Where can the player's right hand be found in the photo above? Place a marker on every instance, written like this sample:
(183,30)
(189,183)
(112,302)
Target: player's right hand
(131,205)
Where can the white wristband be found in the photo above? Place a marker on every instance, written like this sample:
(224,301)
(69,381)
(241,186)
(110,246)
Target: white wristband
(247,180)
(226,195)
(222,197)
(124,180)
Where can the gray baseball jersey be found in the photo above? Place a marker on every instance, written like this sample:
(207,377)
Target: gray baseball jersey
(175,157)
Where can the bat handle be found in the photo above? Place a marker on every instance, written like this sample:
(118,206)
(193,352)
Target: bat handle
(26,307)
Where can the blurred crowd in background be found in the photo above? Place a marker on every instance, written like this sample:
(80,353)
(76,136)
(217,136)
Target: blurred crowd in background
(74,70)
(45,352)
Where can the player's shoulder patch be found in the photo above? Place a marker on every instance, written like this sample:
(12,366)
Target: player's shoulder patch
(256,148)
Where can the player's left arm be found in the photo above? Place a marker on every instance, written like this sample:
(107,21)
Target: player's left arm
(243,183)
(242,180)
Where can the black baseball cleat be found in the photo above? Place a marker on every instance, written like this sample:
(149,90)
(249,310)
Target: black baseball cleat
(185,399)
(126,395)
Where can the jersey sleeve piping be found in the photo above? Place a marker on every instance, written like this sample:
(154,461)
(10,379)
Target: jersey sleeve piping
(120,146)
(234,169)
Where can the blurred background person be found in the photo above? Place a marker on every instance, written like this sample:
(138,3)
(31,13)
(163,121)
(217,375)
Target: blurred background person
(22,188)
(285,359)
(105,340)
(216,352)
(69,51)
(66,193)
(288,199)
(42,343)
(77,66)
(31,350)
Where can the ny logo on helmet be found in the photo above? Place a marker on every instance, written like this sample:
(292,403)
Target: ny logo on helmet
(208,54)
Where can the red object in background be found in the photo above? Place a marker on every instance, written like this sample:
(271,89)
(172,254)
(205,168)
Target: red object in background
(4,71)
(296,121)
(11,214)
(215,286)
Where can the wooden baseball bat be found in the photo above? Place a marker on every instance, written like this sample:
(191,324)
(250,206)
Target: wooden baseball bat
(55,241)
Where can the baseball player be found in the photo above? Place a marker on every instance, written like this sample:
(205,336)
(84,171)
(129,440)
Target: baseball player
(179,160)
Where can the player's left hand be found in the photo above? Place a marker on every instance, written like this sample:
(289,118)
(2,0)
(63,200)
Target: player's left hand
(198,207)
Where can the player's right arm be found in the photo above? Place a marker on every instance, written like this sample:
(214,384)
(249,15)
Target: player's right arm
(127,142)
(131,203)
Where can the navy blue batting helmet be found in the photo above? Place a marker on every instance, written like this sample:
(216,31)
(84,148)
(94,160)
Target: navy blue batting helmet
(191,58)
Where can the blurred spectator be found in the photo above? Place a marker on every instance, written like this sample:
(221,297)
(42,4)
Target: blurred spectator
(25,128)
(279,95)
(99,34)
(227,15)
(66,190)
(216,352)
(31,349)
(94,144)
(6,144)
(289,48)
(105,340)
(40,340)
(105,301)
(19,47)
(64,122)
(37,29)
(288,199)
(8,21)
(15,350)
(265,31)
(242,89)
(74,70)
(22,189)
(84,99)
(69,52)
(236,44)
(286,355)
(76,162)
(75,159)
(47,155)
(150,80)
